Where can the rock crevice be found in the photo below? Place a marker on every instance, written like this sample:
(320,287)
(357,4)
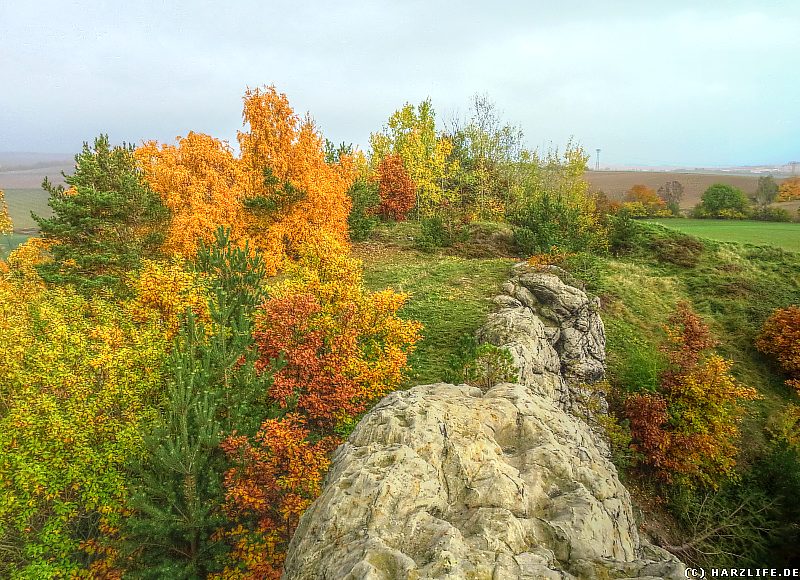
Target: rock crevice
(448,481)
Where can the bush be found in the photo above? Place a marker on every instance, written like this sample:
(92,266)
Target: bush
(729,527)
(772,214)
(722,201)
(680,250)
(362,219)
(643,201)
(548,220)
(441,231)
(780,338)
(482,366)
(688,430)
(623,232)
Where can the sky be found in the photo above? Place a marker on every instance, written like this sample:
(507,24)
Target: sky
(682,83)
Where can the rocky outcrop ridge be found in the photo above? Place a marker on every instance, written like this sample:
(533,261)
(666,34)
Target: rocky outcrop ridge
(447,481)
(554,334)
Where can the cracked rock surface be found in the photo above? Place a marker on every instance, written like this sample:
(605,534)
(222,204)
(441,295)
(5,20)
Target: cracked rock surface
(446,481)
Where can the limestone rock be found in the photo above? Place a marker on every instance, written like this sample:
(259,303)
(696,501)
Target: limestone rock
(554,333)
(443,481)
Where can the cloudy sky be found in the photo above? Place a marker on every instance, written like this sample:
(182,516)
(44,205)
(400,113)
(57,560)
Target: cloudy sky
(650,83)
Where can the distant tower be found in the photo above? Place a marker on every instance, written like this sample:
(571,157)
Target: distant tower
(794,165)
(597,161)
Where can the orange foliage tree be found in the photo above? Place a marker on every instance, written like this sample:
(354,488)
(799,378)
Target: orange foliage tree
(789,189)
(279,194)
(200,182)
(396,189)
(780,337)
(343,346)
(273,481)
(293,196)
(644,201)
(688,430)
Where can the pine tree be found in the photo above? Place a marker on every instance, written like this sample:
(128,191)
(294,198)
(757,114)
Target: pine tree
(215,391)
(103,223)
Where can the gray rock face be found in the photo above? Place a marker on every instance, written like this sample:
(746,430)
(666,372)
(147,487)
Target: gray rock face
(581,342)
(445,481)
(554,334)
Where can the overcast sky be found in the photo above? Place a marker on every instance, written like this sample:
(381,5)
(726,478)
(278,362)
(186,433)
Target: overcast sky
(650,83)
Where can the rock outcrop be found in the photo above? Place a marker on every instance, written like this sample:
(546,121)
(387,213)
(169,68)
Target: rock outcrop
(446,481)
(554,334)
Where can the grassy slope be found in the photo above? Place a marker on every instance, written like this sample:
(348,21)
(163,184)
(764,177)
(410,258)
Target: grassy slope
(450,294)
(734,287)
(782,235)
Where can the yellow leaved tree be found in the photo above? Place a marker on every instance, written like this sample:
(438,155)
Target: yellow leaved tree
(6,227)
(411,135)
(201,183)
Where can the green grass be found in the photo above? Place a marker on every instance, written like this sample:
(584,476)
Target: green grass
(450,295)
(734,287)
(782,235)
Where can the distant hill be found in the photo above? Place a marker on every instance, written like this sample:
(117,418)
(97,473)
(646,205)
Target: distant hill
(616,183)
(27,170)
(16,160)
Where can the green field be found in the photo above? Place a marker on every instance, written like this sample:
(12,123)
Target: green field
(8,243)
(21,202)
(782,235)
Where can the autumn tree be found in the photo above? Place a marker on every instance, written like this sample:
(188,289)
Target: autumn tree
(78,381)
(766,192)
(688,430)
(273,479)
(789,189)
(103,223)
(278,194)
(343,347)
(643,201)
(555,208)
(340,347)
(411,135)
(486,154)
(292,196)
(200,182)
(780,338)
(396,189)
(6,227)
